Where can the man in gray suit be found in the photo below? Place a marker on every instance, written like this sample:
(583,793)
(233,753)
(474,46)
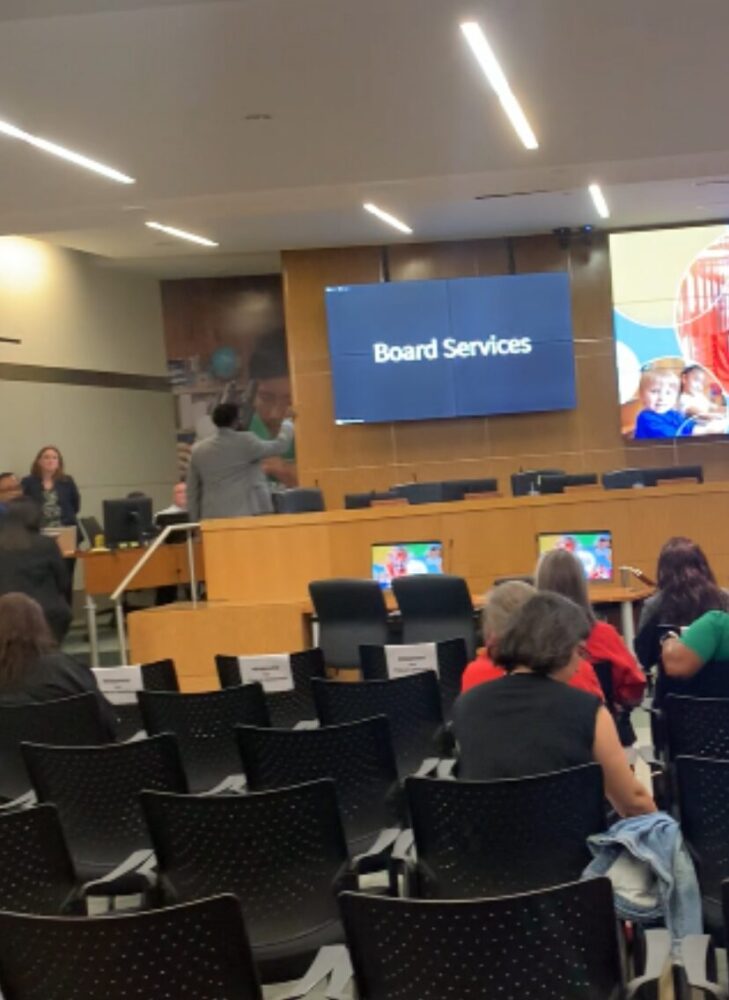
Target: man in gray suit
(225,478)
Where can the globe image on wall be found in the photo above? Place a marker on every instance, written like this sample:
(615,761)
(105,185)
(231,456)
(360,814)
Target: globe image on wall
(224,363)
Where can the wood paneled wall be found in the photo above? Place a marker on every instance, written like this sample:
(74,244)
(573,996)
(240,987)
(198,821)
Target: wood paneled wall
(358,458)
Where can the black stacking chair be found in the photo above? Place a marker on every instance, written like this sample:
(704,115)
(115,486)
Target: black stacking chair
(703,803)
(452,657)
(286,708)
(282,852)
(158,676)
(557,945)
(36,871)
(199,950)
(358,756)
(697,727)
(72,721)
(351,613)
(411,704)
(491,838)
(203,724)
(298,501)
(434,608)
(96,791)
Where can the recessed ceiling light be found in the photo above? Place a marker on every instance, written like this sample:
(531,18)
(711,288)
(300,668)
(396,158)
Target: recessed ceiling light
(182,234)
(65,154)
(476,38)
(391,220)
(259,116)
(598,199)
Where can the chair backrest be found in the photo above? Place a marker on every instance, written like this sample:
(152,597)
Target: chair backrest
(203,724)
(96,791)
(36,871)
(299,501)
(452,659)
(358,756)
(697,727)
(351,612)
(285,708)
(456,489)
(411,704)
(358,501)
(418,493)
(199,950)
(622,479)
(434,608)
(559,483)
(512,835)
(712,681)
(72,721)
(282,853)
(541,945)
(703,802)
(157,676)
(526,482)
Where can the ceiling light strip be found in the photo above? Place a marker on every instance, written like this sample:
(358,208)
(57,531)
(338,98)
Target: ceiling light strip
(182,234)
(599,201)
(391,220)
(476,38)
(65,154)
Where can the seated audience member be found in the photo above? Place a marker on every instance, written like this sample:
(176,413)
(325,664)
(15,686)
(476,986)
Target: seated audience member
(10,489)
(501,603)
(32,669)
(32,564)
(687,589)
(561,572)
(531,721)
(705,641)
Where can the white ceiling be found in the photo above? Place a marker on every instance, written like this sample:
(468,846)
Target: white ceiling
(371,100)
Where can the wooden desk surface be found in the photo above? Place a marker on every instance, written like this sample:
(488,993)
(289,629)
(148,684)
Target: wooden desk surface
(273,558)
(104,571)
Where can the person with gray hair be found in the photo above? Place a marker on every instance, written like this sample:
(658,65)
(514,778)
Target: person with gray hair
(531,721)
(502,602)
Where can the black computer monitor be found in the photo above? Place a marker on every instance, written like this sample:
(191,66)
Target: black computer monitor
(127,520)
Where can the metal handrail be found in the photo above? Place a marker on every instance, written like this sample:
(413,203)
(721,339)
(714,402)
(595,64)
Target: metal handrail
(118,594)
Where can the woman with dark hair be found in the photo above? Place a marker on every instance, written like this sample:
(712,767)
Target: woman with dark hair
(32,564)
(561,572)
(687,589)
(57,495)
(31,667)
(531,721)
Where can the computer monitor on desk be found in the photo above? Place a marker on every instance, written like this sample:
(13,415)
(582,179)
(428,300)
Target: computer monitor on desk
(594,549)
(391,559)
(127,521)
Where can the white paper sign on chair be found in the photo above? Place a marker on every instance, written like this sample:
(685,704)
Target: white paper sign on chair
(272,671)
(119,685)
(402,661)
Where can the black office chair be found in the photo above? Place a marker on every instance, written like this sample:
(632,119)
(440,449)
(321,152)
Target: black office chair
(419,493)
(525,483)
(358,756)
(360,501)
(622,479)
(703,808)
(203,724)
(74,721)
(199,950)
(456,489)
(490,838)
(96,791)
(651,477)
(282,853)
(158,676)
(435,607)
(36,871)
(559,483)
(411,704)
(556,945)
(452,657)
(697,727)
(298,501)
(351,613)
(286,708)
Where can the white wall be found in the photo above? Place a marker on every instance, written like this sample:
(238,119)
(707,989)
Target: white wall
(72,312)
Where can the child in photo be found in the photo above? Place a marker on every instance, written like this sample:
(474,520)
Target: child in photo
(660,417)
(695,401)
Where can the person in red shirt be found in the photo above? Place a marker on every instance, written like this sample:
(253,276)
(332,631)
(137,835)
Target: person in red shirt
(501,603)
(562,573)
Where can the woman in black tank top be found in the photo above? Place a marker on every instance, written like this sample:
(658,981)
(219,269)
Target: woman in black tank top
(531,722)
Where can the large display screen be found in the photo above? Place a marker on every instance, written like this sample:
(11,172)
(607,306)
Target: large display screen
(671,318)
(416,350)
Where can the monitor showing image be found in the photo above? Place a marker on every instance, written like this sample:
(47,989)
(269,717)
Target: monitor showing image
(594,549)
(391,559)
(671,323)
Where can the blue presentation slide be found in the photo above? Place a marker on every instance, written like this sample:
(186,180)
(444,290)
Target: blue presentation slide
(419,350)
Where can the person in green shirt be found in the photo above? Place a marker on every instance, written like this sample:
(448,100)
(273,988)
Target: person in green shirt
(707,639)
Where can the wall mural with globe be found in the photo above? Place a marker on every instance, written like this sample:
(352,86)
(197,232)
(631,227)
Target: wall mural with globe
(225,340)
